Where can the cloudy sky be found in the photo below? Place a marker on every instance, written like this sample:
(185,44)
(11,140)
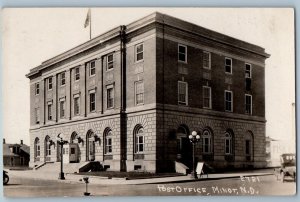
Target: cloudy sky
(31,36)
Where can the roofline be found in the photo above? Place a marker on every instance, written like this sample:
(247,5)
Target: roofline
(137,24)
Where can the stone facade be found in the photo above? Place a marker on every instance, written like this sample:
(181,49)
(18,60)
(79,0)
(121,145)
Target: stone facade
(116,99)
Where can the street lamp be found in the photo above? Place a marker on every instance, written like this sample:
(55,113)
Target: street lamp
(61,142)
(194,138)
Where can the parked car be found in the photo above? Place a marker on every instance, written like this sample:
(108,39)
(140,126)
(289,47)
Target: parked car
(288,167)
(5,177)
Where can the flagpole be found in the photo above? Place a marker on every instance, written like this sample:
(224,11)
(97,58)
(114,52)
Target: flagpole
(90,24)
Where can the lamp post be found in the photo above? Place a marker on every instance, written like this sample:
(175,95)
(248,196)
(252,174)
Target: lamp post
(194,138)
(61,142)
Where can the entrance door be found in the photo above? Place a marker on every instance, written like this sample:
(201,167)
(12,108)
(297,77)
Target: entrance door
(91,149)
(184,147)
(74,157)
(186,152)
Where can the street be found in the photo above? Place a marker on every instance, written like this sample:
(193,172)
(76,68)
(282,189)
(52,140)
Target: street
(262,185)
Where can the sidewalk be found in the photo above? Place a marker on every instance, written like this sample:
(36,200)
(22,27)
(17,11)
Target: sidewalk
(72,178)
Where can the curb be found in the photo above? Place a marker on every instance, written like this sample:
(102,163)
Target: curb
(73,178)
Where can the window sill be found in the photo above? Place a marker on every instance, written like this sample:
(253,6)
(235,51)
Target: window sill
(91,76)
(182,62)
(140,61)
(228,111)
(228,73)
(109,70)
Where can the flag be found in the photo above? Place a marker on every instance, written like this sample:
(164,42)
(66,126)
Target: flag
(88,18)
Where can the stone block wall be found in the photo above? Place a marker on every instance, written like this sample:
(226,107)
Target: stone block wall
(147,160)
(97,126)
(168,123)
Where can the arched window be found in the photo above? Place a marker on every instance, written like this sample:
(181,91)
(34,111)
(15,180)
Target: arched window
(108,141)
(207,142)
(228,143)
(37,148)
(74,138)
(139,140)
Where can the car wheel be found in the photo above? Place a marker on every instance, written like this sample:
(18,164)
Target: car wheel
(282,176)
(294,176)
(5,180)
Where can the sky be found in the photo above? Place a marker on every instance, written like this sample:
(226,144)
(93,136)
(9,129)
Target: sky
(33,35)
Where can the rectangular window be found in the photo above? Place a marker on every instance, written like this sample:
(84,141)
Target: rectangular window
(37,88)
(139,144)
(50,83)
(248,104)
(206,97)
(139,52)
(248,70)
(228,65)
(62,78)
(228,101)
(92,68)
(76,106)
(182,93)
(92,102)
(110,61)
(182,53)
(62,108)
(110,97)
(50,111)
(37,115)
(139,92)
(77,74)
(206,60)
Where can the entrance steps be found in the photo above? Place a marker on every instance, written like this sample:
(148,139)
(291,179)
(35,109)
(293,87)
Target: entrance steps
(181,168)
(70,167)
(39,166)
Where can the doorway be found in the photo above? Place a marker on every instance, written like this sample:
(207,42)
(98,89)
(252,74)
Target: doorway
(184,147)
(90,147)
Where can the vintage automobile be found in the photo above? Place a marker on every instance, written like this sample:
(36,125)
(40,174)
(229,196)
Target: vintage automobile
(288,167)
(5,177)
